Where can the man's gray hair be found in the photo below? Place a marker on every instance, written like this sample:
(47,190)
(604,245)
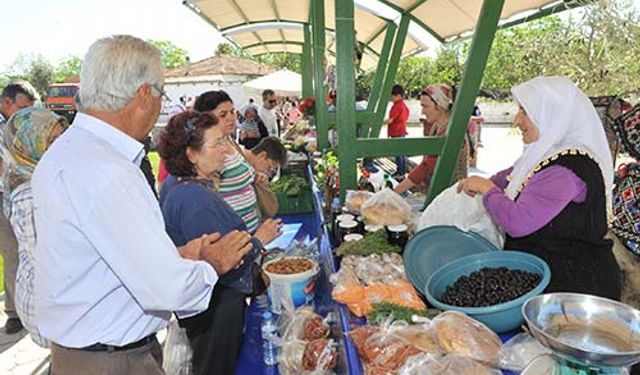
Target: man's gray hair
(113,70)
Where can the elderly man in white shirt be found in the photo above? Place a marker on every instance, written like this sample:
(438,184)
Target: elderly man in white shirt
(107,276)
(269,102)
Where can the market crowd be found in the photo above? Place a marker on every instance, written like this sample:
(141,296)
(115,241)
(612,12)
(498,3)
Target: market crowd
(96,262)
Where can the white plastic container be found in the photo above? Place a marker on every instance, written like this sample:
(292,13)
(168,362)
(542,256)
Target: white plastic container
(292,290)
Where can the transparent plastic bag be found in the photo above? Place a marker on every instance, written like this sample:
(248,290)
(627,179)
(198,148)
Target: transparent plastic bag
(177,352)
(449,364)
(380,349)
(304,324)
(458,333)
(519,351)
(465,212)
(304,345)
(386,207)
(355,200)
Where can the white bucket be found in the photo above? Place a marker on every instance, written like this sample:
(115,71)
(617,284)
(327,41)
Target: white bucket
(292,290)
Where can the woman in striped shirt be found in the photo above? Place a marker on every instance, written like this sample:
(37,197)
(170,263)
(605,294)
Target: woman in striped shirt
(237,176)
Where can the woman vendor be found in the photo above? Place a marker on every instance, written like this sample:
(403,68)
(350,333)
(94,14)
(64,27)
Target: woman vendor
(553,202)
(194,146)
(436,102)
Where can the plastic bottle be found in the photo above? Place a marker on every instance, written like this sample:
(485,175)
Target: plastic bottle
(269,350)
(335,211)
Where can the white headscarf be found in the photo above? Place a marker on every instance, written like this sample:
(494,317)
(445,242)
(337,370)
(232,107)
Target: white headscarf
(566,120)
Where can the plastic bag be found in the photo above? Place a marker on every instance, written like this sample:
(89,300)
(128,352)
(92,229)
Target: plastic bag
(458,333)
(381,351)
(465,212)
(177,352)
(304,345)
(386,207)
(519,351)
(355,199)
(304,324)
(450,364)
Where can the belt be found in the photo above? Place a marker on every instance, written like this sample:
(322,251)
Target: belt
(111,348)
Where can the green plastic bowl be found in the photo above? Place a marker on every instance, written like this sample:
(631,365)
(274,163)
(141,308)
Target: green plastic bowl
(500,318)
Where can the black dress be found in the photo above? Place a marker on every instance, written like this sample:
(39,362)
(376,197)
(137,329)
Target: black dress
(573,243)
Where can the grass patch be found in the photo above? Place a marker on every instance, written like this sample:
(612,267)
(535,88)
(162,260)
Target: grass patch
(154,158)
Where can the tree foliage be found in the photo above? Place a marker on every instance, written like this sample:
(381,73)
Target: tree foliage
(172,55)
(68,68)
(33,68)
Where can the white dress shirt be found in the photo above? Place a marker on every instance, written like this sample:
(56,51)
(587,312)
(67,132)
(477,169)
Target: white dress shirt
(106,271)
(269,119)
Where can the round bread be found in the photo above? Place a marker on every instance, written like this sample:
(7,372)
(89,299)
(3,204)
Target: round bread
(457,333)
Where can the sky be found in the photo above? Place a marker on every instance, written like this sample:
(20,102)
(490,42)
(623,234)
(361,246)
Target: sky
(61,28)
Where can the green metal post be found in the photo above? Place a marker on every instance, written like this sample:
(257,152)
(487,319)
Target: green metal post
(476,61)
(307,61)
(381,70)
(319,46)
(346,112)
(390,76)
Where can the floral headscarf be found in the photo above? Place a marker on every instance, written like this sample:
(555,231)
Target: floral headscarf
(26,137)
(441,95)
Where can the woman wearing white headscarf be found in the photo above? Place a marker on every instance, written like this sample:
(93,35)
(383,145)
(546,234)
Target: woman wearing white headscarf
(554,201)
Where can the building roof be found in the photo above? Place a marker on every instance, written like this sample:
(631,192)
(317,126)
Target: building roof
(221,64)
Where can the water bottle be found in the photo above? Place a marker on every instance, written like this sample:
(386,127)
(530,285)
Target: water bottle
(269,350)
(336,210)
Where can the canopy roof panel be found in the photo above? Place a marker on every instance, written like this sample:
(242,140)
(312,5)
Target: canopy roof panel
(248,23)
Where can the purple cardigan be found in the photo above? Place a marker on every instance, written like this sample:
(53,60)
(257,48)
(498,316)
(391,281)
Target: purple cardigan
(543,198)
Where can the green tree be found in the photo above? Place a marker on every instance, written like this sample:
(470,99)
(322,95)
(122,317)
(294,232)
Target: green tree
(68,68)
(229,49)
(34,68)
(281,60)
(172,55)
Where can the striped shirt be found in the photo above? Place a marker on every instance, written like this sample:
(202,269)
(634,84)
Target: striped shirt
(236,187)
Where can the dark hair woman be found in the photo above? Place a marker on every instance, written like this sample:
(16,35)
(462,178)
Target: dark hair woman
(194,146)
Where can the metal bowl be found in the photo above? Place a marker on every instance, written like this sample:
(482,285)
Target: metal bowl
(586,329)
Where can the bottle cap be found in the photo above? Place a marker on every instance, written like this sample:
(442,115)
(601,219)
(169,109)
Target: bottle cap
(344,217)
(348,224)
(266,315)
(398,228)
(353,237)
(372,228)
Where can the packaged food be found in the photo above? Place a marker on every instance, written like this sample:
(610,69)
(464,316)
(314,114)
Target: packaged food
(519,351)
(319,355)
(355,199)
(458,333)
(386,207)
(449,364)
(380,350)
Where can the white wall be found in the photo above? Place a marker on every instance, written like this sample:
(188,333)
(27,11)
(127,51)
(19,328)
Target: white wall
(174,90)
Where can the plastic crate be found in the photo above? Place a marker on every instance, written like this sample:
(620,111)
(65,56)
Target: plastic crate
(296,168)
(295,204)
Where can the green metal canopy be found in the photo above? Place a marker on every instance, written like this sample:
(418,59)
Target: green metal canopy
(263,26)
(385,31)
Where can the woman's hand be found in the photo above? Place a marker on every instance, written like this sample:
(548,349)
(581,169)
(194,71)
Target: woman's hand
(262,178)
(269,231)
(475,185)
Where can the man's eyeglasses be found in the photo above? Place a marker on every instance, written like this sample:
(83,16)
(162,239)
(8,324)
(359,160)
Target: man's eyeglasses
(161,91)
(274,101)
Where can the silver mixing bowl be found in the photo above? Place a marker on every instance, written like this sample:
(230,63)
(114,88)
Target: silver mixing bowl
(585,329)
